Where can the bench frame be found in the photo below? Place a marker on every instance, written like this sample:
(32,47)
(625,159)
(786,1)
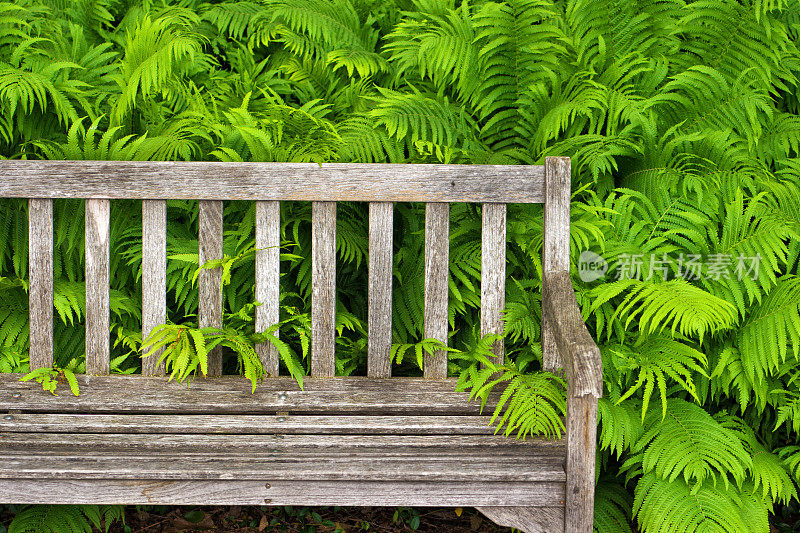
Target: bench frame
(566,343)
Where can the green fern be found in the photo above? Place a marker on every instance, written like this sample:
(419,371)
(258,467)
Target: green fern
(689,443)
(527,404)
(49,378)
(772,326)
(66,518)
(657,359)
(675,507)
(689,310)
(612,508)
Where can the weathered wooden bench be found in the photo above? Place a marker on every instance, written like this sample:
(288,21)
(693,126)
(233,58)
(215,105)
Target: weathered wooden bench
(372,440)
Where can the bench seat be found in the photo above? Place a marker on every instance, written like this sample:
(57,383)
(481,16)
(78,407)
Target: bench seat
(341,441)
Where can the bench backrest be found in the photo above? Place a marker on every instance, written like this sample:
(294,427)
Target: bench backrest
(269,183)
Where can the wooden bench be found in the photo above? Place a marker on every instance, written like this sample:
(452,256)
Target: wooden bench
(372,440)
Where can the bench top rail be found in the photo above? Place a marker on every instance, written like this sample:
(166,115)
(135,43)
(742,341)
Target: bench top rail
(155,180)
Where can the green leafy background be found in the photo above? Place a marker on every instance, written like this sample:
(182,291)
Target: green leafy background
(681,119)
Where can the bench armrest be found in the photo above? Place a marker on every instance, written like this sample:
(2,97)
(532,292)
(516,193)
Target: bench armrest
(579,352)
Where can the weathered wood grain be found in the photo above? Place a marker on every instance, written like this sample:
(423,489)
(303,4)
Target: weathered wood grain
(274,492)
(493,274)
(287,466)
(210,280)
(40,269)
(527,519)
(282,445)
(581,356)
(272,181)
(555,248)
(581,449)
(437,273)
(231,394)
(323,289)
(288,423)
(297,444)
(98,225)
(154,277)
(268,266)
(379,314)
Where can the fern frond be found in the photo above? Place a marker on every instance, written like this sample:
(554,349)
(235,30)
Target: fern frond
(345,40)
(769,329)
(691,311)
(620,425)
(65,518)
(752,241)
(732,38)
(414,117)
(656,359)
(612,508)
(156,51)
(22,89)
(437,45)
(689,443)
(530,403)
(662,506)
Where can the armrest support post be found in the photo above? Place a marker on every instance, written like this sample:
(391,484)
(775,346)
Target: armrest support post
(578,351)
(584,372)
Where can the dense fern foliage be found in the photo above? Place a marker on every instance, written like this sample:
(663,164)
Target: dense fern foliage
(682,121)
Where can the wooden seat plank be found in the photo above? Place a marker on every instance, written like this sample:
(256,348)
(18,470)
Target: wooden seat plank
(37,441)
(286,464)
(232,394)
(293,492)
(248,424)
(296,443)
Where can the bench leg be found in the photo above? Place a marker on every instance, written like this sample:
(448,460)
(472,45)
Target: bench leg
(581,450)
(527,519)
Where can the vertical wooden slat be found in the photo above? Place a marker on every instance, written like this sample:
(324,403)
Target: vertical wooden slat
(268,240)
(40,273)
(555,250)
(380,289)
(98,221)
(493,274)
(323,289)
(154,276)
(437,273)
(210,288)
